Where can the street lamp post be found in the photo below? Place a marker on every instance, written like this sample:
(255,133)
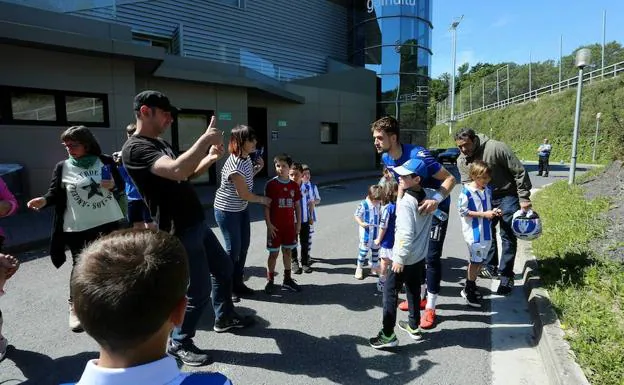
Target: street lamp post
(598,115)
(454,32)
(583,57)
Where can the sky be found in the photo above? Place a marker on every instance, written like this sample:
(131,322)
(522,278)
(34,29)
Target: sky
(496,31)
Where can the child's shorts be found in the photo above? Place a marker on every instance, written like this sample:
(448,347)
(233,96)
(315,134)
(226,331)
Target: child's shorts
(478,251)
(285,237)
(385,253)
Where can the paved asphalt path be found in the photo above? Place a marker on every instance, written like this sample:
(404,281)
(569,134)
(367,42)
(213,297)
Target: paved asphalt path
(319,336)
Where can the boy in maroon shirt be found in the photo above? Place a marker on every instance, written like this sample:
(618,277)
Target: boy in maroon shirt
(283,220)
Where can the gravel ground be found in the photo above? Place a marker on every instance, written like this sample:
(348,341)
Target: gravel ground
(610,184)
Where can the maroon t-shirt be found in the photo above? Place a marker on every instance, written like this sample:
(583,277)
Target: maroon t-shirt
(284,194)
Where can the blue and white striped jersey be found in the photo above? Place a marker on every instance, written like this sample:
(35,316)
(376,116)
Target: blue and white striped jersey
(309,192)
(475,230)
(368,213)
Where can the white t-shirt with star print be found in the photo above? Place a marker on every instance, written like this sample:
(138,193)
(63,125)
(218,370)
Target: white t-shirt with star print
(88,204)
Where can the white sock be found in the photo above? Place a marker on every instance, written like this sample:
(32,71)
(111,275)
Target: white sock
(431,300)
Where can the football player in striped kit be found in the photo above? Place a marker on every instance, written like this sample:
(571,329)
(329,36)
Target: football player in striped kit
(368,217)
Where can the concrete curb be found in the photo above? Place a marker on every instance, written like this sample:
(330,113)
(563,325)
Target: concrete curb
(559,360)
(43,242)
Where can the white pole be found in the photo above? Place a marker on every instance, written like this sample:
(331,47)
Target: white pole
(530,85)
(508,96)
(454,48)
(596,137)
(483,91)
(577,122)
(604,28)
(560,58)
(454,45)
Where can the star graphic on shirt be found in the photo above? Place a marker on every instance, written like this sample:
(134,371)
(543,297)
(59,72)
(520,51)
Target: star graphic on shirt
(94,189)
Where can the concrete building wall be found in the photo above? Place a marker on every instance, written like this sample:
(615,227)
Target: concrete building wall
(301,138)
(38,147)
(279,38)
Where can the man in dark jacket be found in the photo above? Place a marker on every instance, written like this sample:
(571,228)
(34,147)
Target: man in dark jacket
(511,191)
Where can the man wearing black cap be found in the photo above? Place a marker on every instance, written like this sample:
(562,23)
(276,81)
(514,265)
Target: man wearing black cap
(162,179)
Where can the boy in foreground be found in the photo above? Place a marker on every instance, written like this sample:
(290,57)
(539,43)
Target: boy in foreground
(408,255)
(129,292)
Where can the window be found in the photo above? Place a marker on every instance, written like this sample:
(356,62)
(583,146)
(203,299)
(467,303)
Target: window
(233,3)
(84,109)
(329,133)
(187,127)
(30,106)
(153,40)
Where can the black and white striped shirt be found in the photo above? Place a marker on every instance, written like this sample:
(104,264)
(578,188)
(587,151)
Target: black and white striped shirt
(226,198)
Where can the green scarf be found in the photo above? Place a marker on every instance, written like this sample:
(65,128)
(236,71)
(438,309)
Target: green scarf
(85,162)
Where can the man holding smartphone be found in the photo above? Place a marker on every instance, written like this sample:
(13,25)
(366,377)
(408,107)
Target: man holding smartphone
(162,179)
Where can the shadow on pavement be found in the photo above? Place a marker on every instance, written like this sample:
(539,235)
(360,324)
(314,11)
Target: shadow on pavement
(335,358)
(40,369)
(355,297)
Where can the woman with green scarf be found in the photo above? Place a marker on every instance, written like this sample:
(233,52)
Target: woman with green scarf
(81,190)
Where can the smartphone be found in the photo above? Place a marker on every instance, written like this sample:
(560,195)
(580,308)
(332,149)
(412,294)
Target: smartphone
(106,173)
(257,154)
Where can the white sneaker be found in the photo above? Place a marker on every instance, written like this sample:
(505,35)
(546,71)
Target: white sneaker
(74,322)
(3,347)
(359,273)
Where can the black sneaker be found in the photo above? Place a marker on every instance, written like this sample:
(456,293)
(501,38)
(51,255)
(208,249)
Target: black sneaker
(235,297)
(488,272)
(471,298)
(243,291)
(189,354)
(307,269)
(269,288)
(506,284)
(296,270)
(291,285)
(381,341)
(234,321)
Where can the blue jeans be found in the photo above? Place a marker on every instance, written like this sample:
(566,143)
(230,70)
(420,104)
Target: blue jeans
(236,231)
(434,254)
(509,205)
(206,258)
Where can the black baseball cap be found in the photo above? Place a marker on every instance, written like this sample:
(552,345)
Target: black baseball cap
(154,99)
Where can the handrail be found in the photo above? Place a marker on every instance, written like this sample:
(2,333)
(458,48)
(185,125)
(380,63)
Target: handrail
(595,75)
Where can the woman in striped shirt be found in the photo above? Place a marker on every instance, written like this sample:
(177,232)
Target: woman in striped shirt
(231,201)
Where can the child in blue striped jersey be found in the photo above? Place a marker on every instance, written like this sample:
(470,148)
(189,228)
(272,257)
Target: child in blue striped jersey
(475,208)
(368,217)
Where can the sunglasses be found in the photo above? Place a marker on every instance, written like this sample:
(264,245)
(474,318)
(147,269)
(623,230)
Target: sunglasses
(71,145)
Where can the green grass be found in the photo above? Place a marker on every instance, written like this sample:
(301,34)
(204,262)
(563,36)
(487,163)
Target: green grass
(587,290)
(523,126)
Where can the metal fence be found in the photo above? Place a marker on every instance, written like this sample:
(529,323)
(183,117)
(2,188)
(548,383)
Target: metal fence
(443,108)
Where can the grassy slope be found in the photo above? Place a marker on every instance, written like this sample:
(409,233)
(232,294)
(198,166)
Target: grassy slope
(586,289)
(524,126)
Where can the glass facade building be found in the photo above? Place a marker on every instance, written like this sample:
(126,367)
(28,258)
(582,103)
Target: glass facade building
(393,38)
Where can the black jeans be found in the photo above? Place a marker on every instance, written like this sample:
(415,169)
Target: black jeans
(410,276)
(78,240)
(543,165)
(434,254)
(304,245)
